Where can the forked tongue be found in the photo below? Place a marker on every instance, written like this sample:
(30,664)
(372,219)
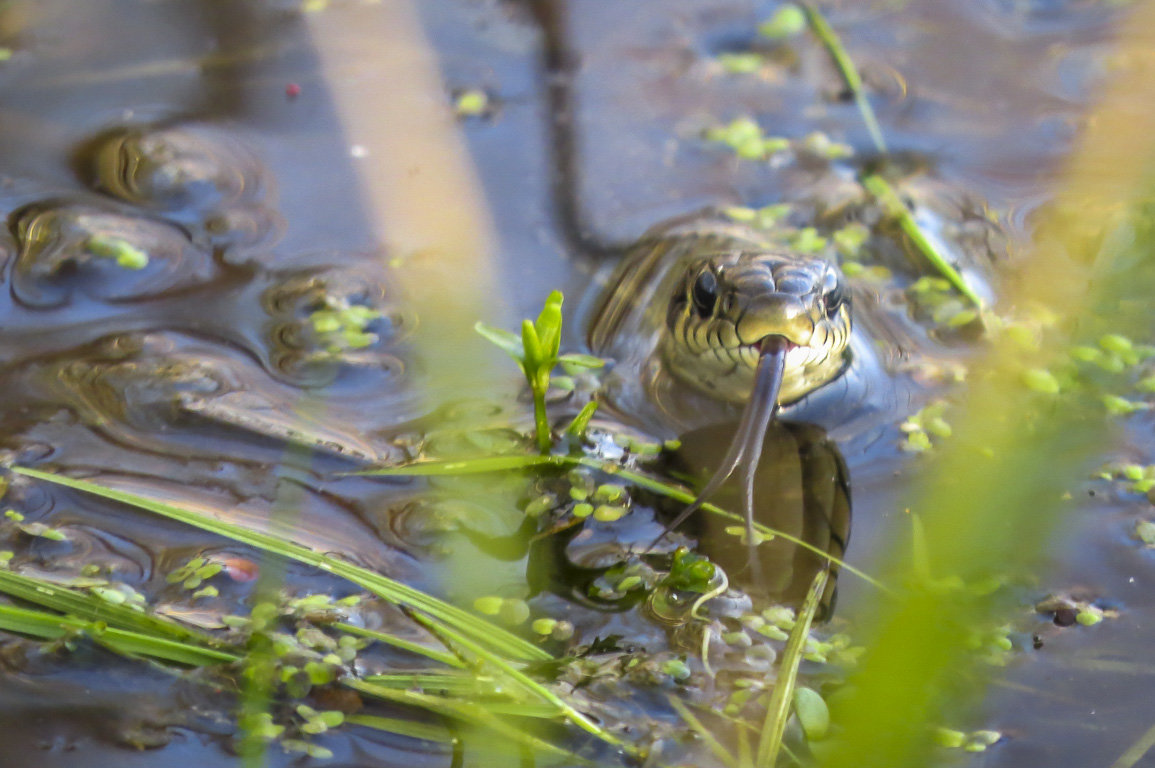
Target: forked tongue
(746,447)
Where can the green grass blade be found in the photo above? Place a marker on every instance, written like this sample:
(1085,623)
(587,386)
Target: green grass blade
(778,709)
(489,635)
(26,621)
(464,711)
(52,626)
(410,728)
(825,33)
(407,645)
(466,466)
(1137,750)
(93,608)
(890,201)
(536,689)
(137,644)
(703,732)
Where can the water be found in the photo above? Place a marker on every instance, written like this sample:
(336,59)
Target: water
(184,379)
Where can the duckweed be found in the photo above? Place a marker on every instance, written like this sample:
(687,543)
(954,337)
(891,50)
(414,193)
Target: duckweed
(740,532)
(344,325)
(813,714)
(788,21)
(608,514)
(541,504)
(473,102)
(926,422)
(1089,616)
(848,240)
(124,253)
(488,606)
(766,217)
(1041,380)
(1145,531)
(820,144)
(745,138)
(609,492)
(1121,406)
(807,240)
(513,612)
(677,669)
(744,63)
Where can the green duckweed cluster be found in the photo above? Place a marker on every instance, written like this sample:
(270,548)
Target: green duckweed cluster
(341,325)
(124,253)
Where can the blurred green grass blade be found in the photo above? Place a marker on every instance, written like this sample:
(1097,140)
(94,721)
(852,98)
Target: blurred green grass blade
(994,494)
(397,642)
(703,732)
(51,626)
(1136,751)
(464,711)
(829,38)
(135,643)
(536,689)
(26,621)
(459,467)
(778,708)
(410,728)
(488,635)
(93,608)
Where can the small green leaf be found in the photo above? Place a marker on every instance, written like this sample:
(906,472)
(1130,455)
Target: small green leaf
(548,326)
(581,422)
(1120,406)
(580,360)
(531,343)
(502,338)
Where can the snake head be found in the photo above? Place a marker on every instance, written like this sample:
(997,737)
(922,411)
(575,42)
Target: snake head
(729,302)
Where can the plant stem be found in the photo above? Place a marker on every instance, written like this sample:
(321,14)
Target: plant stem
(541,421)
(824,32)
(894,206)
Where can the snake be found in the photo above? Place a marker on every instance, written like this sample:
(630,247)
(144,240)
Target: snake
(715,307)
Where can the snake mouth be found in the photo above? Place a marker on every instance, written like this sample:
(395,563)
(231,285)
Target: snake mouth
(773,342)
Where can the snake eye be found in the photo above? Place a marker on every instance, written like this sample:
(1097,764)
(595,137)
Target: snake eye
(835,298)
(705,293)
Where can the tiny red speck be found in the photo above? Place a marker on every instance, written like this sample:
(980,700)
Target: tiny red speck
(292,90)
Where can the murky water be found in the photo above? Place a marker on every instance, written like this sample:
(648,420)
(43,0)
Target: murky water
(202,134)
